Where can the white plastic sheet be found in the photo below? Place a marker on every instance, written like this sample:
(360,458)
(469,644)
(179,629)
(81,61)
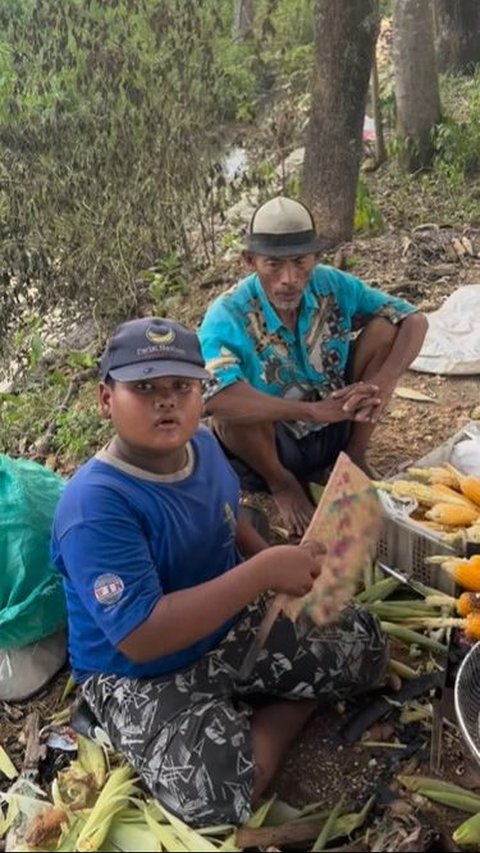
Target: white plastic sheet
(452,343)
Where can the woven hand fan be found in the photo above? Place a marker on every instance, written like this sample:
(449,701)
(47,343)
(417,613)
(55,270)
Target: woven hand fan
(347,521)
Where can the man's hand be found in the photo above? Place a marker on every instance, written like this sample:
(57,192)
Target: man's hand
(386,387)
(291,569)
(353,403)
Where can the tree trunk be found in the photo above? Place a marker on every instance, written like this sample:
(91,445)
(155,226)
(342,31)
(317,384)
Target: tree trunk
(345,38)
(416,82)
(243,11)
(457,31)
(380,153)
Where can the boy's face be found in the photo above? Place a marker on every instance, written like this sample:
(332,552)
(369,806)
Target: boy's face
(157,415)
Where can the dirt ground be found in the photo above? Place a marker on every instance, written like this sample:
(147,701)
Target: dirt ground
(421,267)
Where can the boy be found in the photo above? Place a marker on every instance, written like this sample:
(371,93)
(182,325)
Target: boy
(164,582)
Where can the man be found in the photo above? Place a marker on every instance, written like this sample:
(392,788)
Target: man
(291,387)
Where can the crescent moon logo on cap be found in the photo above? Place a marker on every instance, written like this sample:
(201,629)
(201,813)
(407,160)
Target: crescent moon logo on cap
(154,337)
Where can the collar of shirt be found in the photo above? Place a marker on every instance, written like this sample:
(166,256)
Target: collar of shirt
(273,322)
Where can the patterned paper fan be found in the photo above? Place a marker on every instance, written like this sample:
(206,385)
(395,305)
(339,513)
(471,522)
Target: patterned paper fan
(347,521)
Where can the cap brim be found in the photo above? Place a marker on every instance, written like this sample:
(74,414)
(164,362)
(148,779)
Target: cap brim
(274,249)
(156,369)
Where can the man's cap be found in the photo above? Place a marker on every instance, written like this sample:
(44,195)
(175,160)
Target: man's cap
(282,227)
(152,347)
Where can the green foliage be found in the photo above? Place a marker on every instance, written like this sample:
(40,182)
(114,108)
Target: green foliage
(165,279)
(368,215)
(457,146)
(80,431)
(284,40)
(24,418)
(106,112)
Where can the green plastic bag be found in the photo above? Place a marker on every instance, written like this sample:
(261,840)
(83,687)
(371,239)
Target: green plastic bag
(32,601)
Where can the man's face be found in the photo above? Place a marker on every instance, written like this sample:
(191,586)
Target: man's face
(283,279)
(157,416)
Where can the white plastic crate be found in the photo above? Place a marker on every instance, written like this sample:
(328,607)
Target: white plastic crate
(403,546)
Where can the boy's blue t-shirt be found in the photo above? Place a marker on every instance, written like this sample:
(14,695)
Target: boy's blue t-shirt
(124,537)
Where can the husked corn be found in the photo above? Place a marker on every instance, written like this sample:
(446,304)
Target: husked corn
(434,476)
(453,516)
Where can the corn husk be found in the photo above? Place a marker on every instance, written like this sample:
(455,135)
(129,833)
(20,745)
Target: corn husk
(7,766)
(115,795)
(442,792)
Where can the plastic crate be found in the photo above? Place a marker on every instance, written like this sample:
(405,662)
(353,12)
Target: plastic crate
(403,546)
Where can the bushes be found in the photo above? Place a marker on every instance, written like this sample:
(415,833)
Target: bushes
(106,111)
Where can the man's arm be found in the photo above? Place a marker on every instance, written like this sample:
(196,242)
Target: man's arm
(181,618)
(407,345)
(241,403)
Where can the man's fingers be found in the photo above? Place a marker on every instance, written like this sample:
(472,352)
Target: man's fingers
(361,401)
(348,390)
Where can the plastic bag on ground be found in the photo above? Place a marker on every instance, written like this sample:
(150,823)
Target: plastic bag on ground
(452,342)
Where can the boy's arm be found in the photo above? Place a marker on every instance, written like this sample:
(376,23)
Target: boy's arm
(182,618)
(109,563)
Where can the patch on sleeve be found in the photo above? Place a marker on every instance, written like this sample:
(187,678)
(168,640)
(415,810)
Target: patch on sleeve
(108,589)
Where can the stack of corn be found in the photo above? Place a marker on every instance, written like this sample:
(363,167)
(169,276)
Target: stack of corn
(415,622)
(448,501)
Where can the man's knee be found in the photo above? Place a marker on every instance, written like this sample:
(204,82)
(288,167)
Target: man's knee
(382,333)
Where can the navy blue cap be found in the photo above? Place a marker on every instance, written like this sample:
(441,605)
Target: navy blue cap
(152,347)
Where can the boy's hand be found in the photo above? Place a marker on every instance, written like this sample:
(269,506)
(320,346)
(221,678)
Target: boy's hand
(292,569)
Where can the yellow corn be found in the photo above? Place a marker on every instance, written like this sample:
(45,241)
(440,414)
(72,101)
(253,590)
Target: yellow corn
(470,487)
(432,525)
(446,491)
(468,602)
(466,573)
(434,476)
(453,516)
(428,495)
(472,626)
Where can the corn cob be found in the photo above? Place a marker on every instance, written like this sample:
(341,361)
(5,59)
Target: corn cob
(428,495)
(454,516)
(433,525)
(467,484)
(470,624)
(470,487)
(464,572)
(435,476)
(446,491)
(466,603)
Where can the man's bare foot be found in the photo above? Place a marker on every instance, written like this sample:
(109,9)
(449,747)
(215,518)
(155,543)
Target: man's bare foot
(293,505)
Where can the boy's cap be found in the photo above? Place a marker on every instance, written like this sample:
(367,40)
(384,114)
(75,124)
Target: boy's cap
(152,347)
(282,227)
